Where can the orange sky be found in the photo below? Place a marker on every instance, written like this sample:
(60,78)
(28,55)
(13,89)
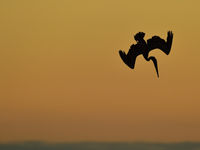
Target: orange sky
(62,79)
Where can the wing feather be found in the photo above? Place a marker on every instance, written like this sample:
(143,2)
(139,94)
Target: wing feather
(157,42)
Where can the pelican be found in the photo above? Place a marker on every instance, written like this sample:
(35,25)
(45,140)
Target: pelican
(143,48)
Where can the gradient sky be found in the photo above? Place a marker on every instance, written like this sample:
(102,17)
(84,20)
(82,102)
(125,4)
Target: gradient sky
(61,78)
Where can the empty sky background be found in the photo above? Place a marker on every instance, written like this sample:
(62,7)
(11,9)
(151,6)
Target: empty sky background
(61,78)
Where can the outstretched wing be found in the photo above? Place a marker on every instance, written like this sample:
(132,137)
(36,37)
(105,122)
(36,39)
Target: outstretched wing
(130,58)
(157,42)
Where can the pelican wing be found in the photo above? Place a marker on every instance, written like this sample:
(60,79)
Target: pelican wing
(156,42)
(130,58)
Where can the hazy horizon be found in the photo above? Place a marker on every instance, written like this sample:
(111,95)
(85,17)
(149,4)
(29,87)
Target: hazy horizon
(101,146)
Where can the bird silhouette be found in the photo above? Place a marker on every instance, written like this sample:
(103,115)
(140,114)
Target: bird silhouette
(143,47)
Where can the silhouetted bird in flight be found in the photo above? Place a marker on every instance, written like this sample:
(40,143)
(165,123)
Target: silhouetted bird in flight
(143,47)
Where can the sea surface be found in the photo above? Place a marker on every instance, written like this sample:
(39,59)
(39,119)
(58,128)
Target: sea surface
(100,146)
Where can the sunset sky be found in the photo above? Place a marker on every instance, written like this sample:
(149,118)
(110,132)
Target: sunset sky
(61,77)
